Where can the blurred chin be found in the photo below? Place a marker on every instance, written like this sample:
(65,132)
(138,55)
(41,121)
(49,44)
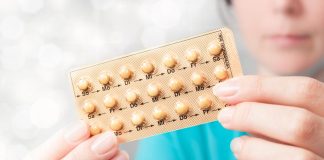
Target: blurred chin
(284,68)
(286,63)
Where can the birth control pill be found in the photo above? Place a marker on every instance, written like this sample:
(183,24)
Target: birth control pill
(175,85)
(220,72)
(197,78)
(116,124)
(204,102)
(138,118)
(147,67)
(94,130)
(159,114)
(104,78)
(153,90)
(169,61)
(83,84)
(89,106)
(110,101)
(131,96)
(125,72)
(192,55)
(181,108)
(214,48)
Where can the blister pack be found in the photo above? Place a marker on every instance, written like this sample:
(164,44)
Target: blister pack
(157,90)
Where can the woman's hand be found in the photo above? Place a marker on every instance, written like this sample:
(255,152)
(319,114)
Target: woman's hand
(285,115)
(74,143)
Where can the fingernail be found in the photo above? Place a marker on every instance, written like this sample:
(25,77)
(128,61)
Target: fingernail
(104,143)
(226,89)
(76,133)
(225,115)
(236,146)
(122,156)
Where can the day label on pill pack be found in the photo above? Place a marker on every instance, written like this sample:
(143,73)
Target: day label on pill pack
(157,90)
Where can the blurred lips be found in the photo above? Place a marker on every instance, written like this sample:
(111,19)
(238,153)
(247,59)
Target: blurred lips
(288,40)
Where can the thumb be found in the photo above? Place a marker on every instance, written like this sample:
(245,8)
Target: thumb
(61,143)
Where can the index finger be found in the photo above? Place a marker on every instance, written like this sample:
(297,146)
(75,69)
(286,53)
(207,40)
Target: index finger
(302,92)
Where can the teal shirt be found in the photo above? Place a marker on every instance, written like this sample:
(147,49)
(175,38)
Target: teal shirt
(204,142)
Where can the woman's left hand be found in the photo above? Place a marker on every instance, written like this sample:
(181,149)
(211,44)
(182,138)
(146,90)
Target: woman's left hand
(285,115)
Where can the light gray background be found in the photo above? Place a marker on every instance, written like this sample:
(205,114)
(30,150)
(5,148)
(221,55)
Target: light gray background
(40,41)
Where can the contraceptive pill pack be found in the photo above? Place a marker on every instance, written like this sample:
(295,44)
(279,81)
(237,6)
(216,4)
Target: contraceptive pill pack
(157,90)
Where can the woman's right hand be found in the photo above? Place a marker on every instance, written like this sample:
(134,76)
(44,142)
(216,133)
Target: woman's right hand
(75,143)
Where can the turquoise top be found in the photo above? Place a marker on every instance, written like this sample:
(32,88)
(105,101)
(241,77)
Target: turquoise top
(204,142)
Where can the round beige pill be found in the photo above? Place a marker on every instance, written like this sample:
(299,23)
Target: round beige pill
(138,118)
(220,72)
(83,84)
(109,101)
(175,85)
(147,67)
(94,130)
(214,48)
(89,107)
(197,78)
(159,114)
(181,108)
(169,61)
(131,96)
(153,90)
(125,72)
(204,102)
(116,124)
(104,78)
(192,55)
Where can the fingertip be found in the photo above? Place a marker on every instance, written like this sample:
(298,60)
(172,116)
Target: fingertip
(236,146)
(226,89)
(122,155)
(125,154)
(225,116)
(104,143)
(62,142)
(76,133)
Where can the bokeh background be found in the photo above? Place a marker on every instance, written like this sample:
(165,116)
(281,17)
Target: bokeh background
(42,40)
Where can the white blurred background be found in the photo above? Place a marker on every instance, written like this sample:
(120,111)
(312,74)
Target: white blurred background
(41,40)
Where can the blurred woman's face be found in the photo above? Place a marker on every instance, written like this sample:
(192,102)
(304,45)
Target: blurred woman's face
(286,36)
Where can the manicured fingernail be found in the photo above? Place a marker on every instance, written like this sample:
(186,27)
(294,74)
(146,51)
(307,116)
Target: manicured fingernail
(226,89)
(225,115)
(104,143)
(122,156)
(76,133)
(236,146)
